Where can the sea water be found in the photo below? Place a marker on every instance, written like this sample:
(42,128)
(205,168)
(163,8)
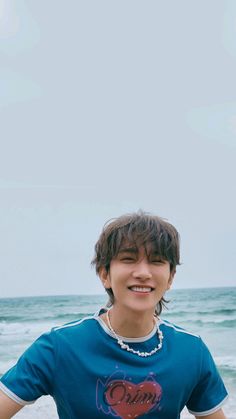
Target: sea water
(210,313)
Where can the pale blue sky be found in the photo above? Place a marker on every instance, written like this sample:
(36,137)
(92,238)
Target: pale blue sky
(107,107)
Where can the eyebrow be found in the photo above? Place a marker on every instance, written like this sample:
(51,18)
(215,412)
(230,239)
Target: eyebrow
(135,251)
(132,250)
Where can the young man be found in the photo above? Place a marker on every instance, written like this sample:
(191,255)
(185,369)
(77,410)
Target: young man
(125,361)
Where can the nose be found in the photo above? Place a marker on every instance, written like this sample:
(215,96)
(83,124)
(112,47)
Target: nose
(142,270)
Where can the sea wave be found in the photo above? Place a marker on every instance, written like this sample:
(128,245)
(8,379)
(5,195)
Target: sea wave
(20,329)
(227,323)
(227,362)
(29,318)
(207,312)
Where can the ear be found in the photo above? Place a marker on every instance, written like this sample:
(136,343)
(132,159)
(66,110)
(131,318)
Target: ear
(105,277)
(171,278)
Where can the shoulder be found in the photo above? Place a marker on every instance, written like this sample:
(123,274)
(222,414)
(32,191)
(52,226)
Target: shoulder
(186,348)
(76,324)
(186,343)
(79,328)
(178,338)
(49,344)
(175,330)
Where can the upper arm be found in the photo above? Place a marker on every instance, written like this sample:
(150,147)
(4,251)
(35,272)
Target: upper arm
(8,407)
(217,415)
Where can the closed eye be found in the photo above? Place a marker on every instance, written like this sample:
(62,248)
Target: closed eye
(127,259)
(158,261)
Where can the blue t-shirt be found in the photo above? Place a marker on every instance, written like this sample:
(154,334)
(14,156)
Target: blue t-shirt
(87,373)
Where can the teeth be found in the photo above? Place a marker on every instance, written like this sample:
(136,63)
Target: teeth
(141,289)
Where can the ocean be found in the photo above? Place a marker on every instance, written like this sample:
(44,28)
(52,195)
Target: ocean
(209,312)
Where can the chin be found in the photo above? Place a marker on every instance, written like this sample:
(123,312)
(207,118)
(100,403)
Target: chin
(142,308)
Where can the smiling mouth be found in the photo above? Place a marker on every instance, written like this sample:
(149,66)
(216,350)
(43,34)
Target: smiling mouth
(140,289)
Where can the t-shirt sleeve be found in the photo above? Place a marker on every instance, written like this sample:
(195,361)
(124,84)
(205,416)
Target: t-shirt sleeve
(33,375)
(209,393)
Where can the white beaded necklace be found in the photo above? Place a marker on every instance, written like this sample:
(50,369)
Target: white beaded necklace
(127,347)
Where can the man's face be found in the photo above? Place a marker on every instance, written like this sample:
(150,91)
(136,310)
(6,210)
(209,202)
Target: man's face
(138,279)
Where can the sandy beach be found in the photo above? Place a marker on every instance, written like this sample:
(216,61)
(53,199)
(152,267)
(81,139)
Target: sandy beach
(43,408)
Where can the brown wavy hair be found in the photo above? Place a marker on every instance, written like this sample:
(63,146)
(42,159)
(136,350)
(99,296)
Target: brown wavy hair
(138,229)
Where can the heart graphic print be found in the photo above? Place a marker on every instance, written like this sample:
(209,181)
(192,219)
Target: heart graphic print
(129,400)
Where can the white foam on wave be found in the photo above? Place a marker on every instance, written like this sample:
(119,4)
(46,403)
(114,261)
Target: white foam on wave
(218,320)
(32,329)
(226,361)
(13,329)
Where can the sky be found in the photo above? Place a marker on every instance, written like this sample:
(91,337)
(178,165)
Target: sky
(108,107)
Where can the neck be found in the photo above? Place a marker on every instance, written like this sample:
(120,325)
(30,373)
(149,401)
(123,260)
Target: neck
(131,325)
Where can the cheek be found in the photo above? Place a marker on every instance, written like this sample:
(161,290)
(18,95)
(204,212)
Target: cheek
(168,285)
(163,272)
